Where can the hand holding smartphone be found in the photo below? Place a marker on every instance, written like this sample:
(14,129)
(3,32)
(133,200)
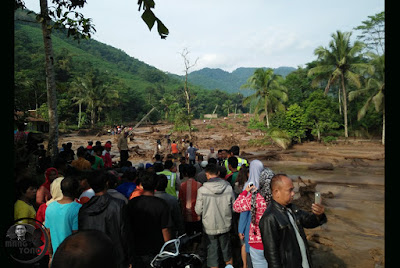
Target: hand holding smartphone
(250,187)
(318,198)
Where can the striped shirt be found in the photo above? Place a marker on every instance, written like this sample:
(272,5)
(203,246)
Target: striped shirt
(187,198)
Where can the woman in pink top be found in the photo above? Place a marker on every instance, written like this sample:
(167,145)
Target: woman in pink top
(256,201)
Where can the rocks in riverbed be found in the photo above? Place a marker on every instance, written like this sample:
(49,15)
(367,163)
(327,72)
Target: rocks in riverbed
(321,166)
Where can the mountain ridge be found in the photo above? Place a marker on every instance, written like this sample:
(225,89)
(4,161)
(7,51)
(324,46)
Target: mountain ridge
(230,82)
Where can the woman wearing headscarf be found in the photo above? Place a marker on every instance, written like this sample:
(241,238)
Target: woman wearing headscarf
(56,194)
(255,198)
(43,193)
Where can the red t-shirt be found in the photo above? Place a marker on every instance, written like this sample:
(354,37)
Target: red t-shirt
(107,160)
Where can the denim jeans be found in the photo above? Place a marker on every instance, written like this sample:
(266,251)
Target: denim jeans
(257,258)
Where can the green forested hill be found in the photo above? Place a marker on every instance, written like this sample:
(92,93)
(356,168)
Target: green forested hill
(229,82)
(139,85)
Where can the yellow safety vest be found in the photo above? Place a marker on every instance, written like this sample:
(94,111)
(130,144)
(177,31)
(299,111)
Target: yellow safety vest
(171,176)
(241,161)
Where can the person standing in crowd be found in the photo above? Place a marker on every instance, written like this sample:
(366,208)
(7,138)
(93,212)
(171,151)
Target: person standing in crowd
(89,147)
(104,213)
(148,220)
(232,166)
(201,176)
(175,150)
(183,148)
(128,184)
(158,159)
(214,204)
(43,193)
(112,182)
(191,151)
(244,219)
(223,156)
(243,176)
(234,151)
(56,194)
(187,200)
(98,162)
(81,163)
(123,148)
(23,208)
(61,217)
(177,228)
(173,184)
(256,201)
(255,169)
(212,154)
(86,192)
(287,247)
(106,155)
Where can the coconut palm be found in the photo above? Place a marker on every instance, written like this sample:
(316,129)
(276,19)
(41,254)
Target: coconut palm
(374,89)
(270,92)
(342,62)
(166,102)
(105,97)
(79,87)
(96,97)
(227,106)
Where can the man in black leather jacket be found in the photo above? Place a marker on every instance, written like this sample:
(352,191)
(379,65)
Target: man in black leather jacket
(281,226)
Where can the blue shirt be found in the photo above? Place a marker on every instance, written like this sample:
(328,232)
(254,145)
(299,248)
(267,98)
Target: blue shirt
(126,188)
(61,219)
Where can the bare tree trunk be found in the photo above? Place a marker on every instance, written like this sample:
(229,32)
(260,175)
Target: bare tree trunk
(188,66)
(346,133)
(266,111)
(52,148)
(79,115)
(144,118)
(187,95)
(340,102)
(383,124)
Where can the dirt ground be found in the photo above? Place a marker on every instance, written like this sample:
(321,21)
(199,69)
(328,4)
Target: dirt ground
(349,174)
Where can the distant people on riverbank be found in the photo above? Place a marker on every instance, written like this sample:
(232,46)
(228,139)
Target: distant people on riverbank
(191,153)
(123,148)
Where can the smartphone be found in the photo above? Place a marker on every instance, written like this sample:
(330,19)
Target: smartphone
(317,198)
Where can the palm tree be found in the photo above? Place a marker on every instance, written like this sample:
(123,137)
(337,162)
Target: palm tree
(341,61)
(166,102)
(270,92)
(374,89)
(80,87)
(105,97)
(226,106)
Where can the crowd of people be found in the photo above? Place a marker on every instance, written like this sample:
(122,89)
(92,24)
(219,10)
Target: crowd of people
(120,214)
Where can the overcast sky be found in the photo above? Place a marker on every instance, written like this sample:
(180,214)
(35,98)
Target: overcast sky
(226,34)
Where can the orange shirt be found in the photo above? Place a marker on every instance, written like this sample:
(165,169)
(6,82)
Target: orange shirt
(137,192)
(174,148)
